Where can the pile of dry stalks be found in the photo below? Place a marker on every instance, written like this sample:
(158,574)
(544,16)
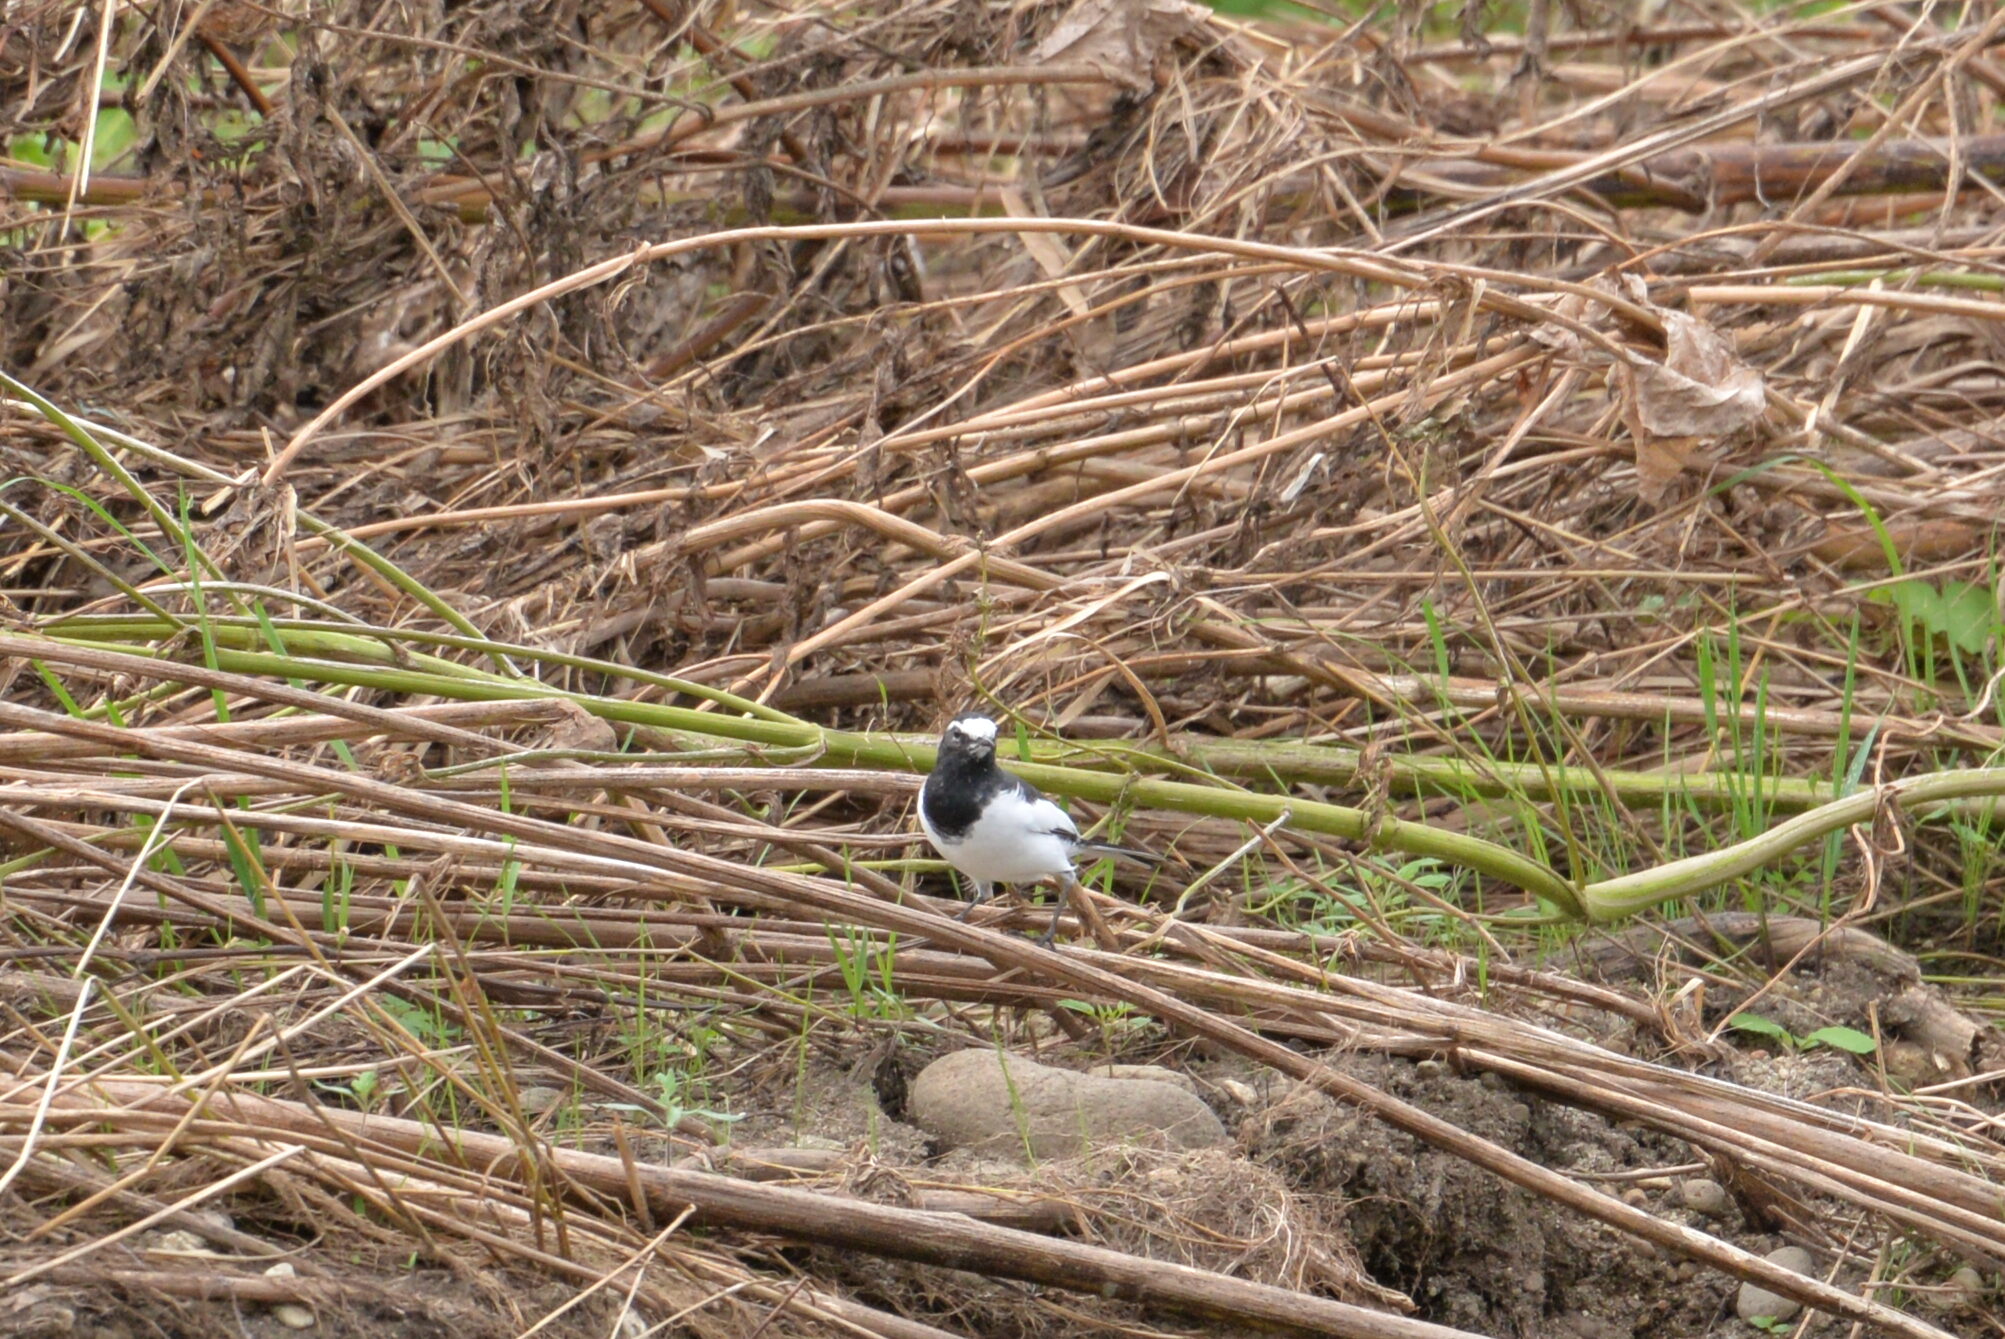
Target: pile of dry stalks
(416,413)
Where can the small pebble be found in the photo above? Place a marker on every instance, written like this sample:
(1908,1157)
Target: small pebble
(178,1242)
(1593,1327)
(1241,1094)
(1907,1063)
(1755,1300)
(1706,1196)
(1428,1069)
(540,1098)
(1635,1198)
(292,1315)
(1964,1288)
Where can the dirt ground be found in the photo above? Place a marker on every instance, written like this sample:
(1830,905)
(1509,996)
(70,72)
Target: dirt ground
(1468,1250)
(1309,1193)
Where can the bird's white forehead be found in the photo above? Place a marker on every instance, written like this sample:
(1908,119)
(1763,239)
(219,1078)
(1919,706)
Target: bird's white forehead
(976,727)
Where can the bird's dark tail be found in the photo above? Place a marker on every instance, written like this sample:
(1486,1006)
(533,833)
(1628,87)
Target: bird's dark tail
(1120,852)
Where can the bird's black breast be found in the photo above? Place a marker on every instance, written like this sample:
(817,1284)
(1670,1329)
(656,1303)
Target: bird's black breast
(954,797)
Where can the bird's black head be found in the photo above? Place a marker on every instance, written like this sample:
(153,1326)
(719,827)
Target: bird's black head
(970,741)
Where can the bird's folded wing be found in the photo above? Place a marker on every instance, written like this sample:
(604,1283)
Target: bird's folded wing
(1047,817)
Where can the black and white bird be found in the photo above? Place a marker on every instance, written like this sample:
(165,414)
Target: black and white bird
(994,827)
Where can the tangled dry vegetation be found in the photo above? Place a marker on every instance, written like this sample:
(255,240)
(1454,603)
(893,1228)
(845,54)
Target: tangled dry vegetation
(500,496)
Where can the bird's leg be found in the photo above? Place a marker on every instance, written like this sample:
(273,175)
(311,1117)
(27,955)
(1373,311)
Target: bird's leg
(1050,934)
(1080,898)
(982,893)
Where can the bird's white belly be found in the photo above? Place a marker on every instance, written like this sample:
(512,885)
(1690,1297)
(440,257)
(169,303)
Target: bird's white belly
(1005,846)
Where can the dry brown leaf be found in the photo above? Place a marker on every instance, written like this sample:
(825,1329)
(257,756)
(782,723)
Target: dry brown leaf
(1049,253)
(1699,392)
(1660,460)
(1124,39)
(1702,388)
(578,731)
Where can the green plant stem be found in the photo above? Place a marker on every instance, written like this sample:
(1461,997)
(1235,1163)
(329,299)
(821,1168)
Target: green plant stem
(759,736)
(383,647)
(432,676)
(86,435)
(105,461)
(1379,833)
(1427,777)
(1613,899)
(1983,283)
(1277,761)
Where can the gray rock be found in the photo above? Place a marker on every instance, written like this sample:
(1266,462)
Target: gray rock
(1755,1300)
(1702,1195)
(997,1103)
(1159,1073)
